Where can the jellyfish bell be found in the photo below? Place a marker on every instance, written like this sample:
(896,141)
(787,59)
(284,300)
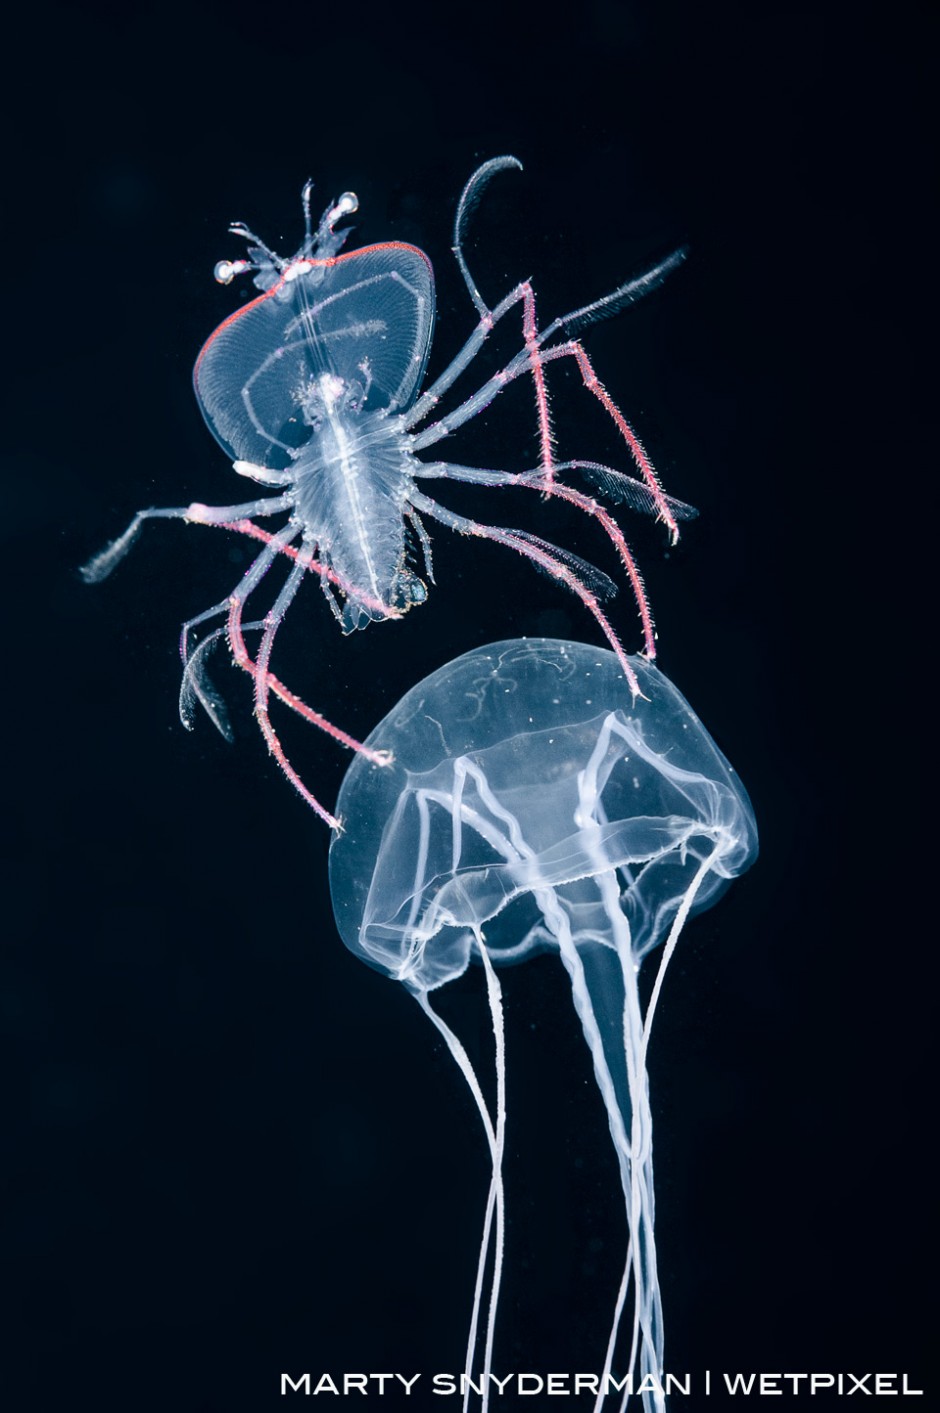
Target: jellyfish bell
(537,803)
(528,718)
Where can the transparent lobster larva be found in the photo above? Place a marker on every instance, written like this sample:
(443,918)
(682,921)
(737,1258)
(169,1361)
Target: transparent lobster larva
(313,390)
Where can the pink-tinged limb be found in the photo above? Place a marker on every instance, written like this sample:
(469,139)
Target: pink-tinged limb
(520,365)
(488,320)
(243,659)
(195,685)
(315,718)
(532,481)
(531,336)
(274,544)
(543,557)
(265,682)
(615,534)
(574,349)
(290,699)
(315,566)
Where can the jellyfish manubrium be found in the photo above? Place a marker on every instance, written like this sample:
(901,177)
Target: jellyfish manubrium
(535,803)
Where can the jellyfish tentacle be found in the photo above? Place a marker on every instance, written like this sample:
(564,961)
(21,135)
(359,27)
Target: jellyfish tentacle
(529,770)
(495,1136)
(635,1179)
(669,946)
(494,996)
(464,770)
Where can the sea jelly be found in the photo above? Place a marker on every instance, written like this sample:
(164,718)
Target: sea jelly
(536,803)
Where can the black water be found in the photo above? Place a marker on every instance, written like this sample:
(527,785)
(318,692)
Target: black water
(230,1151)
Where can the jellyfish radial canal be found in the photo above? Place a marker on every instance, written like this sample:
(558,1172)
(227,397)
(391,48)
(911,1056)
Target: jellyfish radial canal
(536,804)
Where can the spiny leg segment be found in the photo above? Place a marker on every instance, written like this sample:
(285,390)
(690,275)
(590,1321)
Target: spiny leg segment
(531,360)
(523,363)
(535,354)
(532,480)
(547,557)
(265,681)
(195,685)
(588,583)
(258,670)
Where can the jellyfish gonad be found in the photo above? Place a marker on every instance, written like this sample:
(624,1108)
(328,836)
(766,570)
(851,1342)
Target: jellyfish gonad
(537,804)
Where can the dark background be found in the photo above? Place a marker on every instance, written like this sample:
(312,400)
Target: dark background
(229,1148)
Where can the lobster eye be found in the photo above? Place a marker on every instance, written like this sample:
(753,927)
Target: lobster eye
(226,270)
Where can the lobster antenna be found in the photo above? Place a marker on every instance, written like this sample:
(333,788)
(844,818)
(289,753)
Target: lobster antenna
(469,199)
(308,221)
